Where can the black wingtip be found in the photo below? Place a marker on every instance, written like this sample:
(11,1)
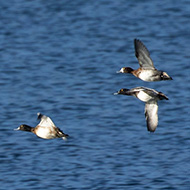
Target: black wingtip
(136,40)
(39,116)
(135,45)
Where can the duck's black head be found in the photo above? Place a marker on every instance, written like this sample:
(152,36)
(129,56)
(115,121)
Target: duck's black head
(125,70)
(24,127)
(122,91)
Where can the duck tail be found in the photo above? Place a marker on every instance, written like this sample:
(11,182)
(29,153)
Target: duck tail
(163,96)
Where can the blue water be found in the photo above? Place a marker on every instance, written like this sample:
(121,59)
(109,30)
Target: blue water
(60,58)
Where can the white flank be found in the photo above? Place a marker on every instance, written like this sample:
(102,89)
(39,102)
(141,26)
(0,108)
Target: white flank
(144,96)
(44,132)
(146,75)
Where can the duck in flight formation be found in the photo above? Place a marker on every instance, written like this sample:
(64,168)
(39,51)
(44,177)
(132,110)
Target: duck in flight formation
(150,97)
(147,71)
(46,129)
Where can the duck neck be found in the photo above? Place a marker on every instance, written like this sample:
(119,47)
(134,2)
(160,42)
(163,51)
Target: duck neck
(128,70)
(28,128)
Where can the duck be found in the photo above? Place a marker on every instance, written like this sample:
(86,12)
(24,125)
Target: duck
(147,72)
(150,97)
(46,129)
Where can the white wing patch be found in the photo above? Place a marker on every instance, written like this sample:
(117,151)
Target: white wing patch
(151,114)
(46,122)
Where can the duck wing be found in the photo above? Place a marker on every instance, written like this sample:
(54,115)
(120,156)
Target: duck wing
(143,55)
(149,91)
(138,89)
(45,121)
(151,115)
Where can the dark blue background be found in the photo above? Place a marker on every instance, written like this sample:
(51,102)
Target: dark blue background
(60,58)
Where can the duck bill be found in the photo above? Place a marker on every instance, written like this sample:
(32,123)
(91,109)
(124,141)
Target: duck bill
(17,129)
(117,93)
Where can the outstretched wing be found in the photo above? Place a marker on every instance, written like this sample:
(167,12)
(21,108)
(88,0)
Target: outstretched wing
(151,115)
(143,55)
(149,91)
(45,121)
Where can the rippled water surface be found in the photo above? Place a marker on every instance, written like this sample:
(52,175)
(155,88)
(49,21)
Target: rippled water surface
(60,58)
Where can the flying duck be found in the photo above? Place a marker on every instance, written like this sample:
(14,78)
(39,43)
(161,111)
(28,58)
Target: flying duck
(46,129)
(151,97)
(147,71)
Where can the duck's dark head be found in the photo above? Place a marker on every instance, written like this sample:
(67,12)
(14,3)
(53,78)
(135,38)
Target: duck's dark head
(122,91)
(165,76)
(125,70)
(24,128)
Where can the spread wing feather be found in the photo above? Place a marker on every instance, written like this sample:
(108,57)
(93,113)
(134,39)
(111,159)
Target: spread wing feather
(151,115)
(143,55)
(45,121)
